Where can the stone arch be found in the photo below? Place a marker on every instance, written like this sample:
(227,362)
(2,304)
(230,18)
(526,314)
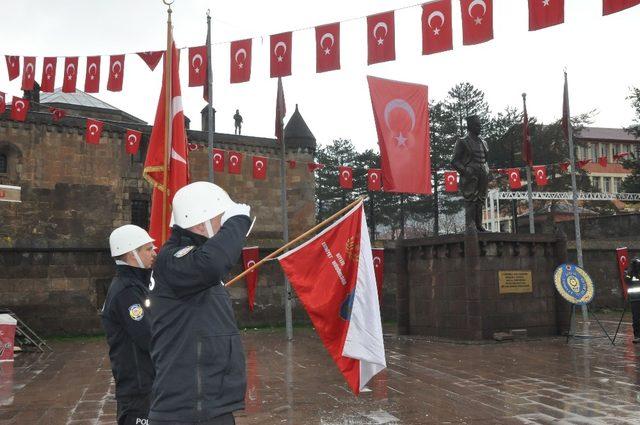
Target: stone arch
(10,163)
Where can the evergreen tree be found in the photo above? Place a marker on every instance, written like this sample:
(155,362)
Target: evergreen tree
(631,184)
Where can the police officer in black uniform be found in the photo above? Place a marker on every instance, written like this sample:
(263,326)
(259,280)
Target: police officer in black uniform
(196,347)
(126,322)
(632,277)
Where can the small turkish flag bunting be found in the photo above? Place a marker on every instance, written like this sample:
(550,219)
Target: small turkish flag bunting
(250,256)
(259,167)
(218,160)
(545,13)
(346,177)
(374,179)
(602,161)
(583,163)
(514,178)
(197,66)
(240,61)
(116,73)
(328,47)
(622,255)
(29,73)
(281,46)
(477,21)
(564,166)
(132,141)
(151,58)
(13,66)
(92,75)
(437,34)
(94,130)
(313,166)
(378,268)
(540,172)
(235,163)
(19,109)
(57,114)
(3,102)
(613,6)
(381,39)
(70,74)
(450,181)
(48,74)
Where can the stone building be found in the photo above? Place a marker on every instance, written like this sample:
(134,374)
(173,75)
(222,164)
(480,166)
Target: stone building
(54,262)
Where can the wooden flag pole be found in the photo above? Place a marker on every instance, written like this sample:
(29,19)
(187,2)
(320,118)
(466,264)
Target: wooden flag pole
(302,236)
(167,124)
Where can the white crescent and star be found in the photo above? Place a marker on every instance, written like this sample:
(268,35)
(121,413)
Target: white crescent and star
(436,14)
(623,259)
(19,105)
(374,176)
(27,70)
(540,173)
(217,157)
(13,61)
(195,67)
(514,176)
(259,164)
(244,56)
(92,127)
(234,159)
(346,174)
(327,36)
(451,179)
(48,67)
(250,264)
(132,139)
(284,52)
(70,70)
(113,69)
(477,20)
(93,67)
(384,26)
(402,104)
(376,261)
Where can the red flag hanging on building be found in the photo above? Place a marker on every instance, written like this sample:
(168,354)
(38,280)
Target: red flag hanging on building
(260,167)
(602,161)
(132,141)
(235,163)
(514,178)
(218,160)
(401,114)
(619,156)
(197,66)
(57,114)
(3,102)
(333,275)
(240,61)
(622,255)
(281,47)
(312,166)
(527,154)
(378,268)
(70,74)
(381,39)
(151,58)
(93,131)
(346,177)
(450,181)
(13,66)
(545,13)
(583,163)
(281,111)
(564,166)
(116,73)
(374,179)
(19,109)
(250,256)
(92,75)
(437,33)
(613,6)
(28,73)
(48,81)
(328,47)
(540,173)
(291,163)
(154,166)
(477,21)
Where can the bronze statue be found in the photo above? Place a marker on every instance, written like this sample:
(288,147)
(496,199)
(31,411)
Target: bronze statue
(470,161)
(238,120)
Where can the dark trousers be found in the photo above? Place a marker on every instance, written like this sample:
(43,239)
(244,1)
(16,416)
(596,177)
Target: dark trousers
(635,314)
(133,410)
(226,419)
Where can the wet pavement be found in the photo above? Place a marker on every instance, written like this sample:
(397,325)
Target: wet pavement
(522,382)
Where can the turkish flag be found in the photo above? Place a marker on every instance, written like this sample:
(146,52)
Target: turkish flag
(240,61)
(280,54)
(3,102)
(437,33)
(132,141)
(374,179)
(19,109)
(92,75)
(218,160)
(57,114)
(381,39)
(613,6)
(235,163)
(328,47)
(540,172)
(619,156)
(93,132)
(450,181)
(477,21)
(291,163)
(197,66)
(378,268)
(333,276)
(622,255)
(13,66)
(250,256)
(514,178)
(602,161)
(312,166)
(116,73)
(545,13)
(583,163)
(70,74)
(401,114)
(259,167)
(28,73)
(48,74)
(346,177)
(151,58)
(564,166)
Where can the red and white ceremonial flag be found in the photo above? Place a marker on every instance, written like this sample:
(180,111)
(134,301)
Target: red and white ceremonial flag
(564,166)
(57,114)
(250,256)
(28,73)
(477,21)
(240,61)
(281,111)
(378,267)
(178,166)
(450,181)
(401,115)
(280,55)
(540,172)
(613,6)
(514,178)
(92,75)
(94,131)
(545,13)
(328,47)
(437,33)
(151,58)
(583,163)
(116,73)
(333,275)
(19,109)
(381,38)
(218,160)
(48,81)
(3,102)
(235,163)
(312,166)
(346,177)
(13,66)
(622,255)
(70,74)
(132,141)
(374,179)
(602,161)
(260,167)
(197,66)
(291,163)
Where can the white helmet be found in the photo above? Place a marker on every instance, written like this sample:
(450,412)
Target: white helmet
(127,238)
(199,202)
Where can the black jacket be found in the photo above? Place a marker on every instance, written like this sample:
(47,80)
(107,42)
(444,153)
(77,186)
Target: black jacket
(196,347)
(126,323)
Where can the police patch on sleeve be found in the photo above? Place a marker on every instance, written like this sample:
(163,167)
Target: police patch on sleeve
(184,251)
(136,312)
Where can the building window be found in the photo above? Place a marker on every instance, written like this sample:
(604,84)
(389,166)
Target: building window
(4,165)
(594,152)
(607,184)
(140,213)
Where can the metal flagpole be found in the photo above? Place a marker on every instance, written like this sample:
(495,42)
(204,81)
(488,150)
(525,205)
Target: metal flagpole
(210,121)
(285,232)
(167,122)
(532,227)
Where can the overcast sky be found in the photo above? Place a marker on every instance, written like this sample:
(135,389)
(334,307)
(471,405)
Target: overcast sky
(600,54)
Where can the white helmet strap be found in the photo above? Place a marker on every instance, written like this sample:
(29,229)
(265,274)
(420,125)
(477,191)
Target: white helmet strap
(207,225)
(138,260)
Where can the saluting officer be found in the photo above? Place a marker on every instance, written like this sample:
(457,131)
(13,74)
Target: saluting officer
(126,322)
(196,347)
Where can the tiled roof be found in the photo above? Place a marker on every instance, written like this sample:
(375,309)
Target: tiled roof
(79,98)
(605,134)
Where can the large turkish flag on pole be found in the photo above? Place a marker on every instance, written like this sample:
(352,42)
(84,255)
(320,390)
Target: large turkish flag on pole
(436,27)
(381,38)
(477,21)
(545,13)
(401,113)
(613,6)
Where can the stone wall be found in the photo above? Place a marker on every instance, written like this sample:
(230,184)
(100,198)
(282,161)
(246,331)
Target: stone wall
(618,226)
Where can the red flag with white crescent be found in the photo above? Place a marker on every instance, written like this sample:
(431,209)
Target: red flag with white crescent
(540,173)
(378,268)
(477,21)
(250,256)
(240,63)
(328,47)
(132,141)
(235,163)
(514,178)
(116,73)
(374,179)
(48,82)
(218,160)
(70,74)
(381,38)
(622,255)
(291,163)
(280,54)
(450,181)
(346,177)
(613,6)
(13,66)
(197,66)
(437,33)
(19,109)
(28,73)
(93,131)
(3,102)
(313,166)
(545,13)
(259,167)
(602,161)
(151,58)
(583,163)
(92,75)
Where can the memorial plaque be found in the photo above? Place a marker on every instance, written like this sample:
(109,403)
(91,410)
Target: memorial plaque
(515,281)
